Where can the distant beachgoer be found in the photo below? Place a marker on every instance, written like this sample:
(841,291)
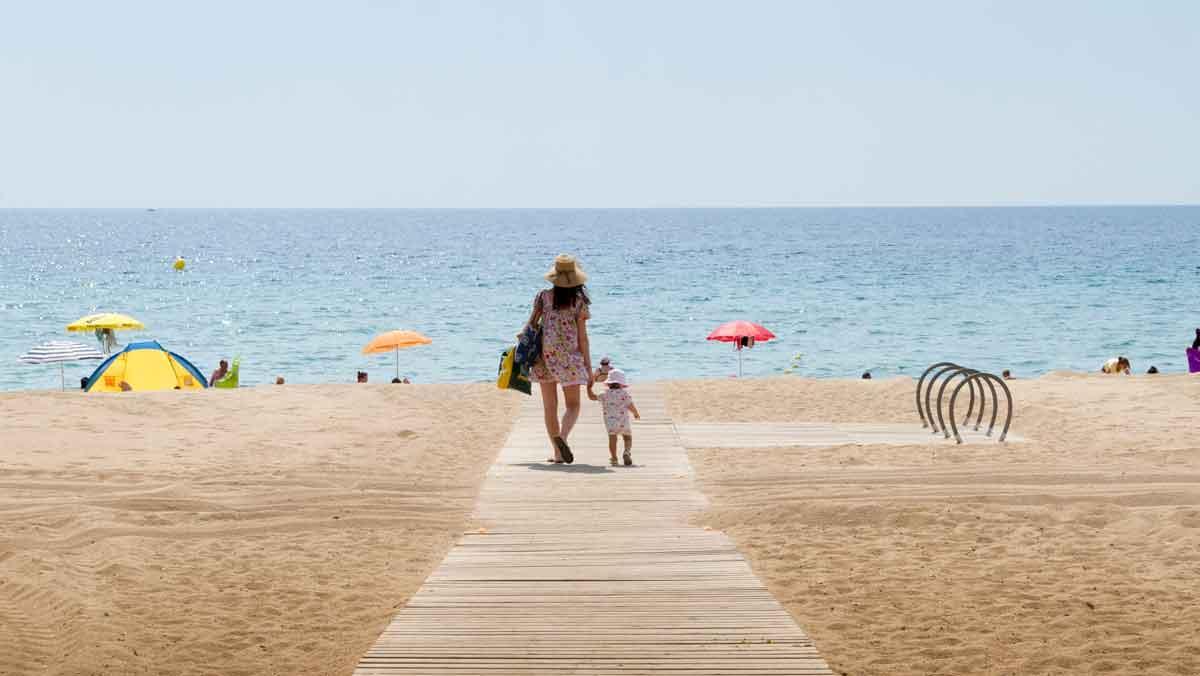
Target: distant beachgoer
(362,376)
(566,359)
(83,382)
(601,373)
(1116,365)
(108,340)
(126,387)
(406,381)
(1006,374)
(278,380)
(222,370)
(866,375)
(1196,342)
(1152,370)
(617,405)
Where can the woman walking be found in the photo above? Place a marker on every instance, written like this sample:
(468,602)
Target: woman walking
(566,359)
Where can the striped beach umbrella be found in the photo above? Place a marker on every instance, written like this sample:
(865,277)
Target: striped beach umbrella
(60,352)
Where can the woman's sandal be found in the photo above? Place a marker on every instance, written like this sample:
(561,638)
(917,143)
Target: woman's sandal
(613,462)
(564,450)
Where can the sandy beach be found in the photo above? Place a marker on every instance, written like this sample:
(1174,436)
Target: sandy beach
(1076,551)
(269,530)
(277,529)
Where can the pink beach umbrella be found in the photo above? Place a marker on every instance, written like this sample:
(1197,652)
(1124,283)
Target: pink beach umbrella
(741,332)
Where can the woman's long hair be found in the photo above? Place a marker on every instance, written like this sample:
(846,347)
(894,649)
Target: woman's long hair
(565,296)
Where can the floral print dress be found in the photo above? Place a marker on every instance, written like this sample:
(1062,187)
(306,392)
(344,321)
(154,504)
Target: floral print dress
(616,403)
(561,360)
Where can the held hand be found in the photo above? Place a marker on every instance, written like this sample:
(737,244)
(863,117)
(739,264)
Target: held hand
(591,394)
(637,416)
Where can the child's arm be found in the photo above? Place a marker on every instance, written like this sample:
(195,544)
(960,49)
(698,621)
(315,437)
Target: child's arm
(633,409)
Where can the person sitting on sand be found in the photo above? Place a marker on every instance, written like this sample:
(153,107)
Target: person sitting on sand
(362,376)
(617,405)
(279,380)
(866,375)
(126,387)
(222,370)
(1006,374)
(1116,365)
(1152,370)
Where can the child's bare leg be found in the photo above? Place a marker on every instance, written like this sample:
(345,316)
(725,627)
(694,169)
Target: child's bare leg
(612,447)
(628,449)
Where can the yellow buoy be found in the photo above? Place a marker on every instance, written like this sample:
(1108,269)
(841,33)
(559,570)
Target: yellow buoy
(180,263)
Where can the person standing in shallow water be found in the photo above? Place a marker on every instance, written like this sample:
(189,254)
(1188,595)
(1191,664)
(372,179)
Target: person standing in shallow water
(566,359)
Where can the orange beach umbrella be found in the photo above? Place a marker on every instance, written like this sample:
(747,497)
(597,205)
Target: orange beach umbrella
(394,341)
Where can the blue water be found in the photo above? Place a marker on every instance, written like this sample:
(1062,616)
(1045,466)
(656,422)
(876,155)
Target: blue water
(297,293)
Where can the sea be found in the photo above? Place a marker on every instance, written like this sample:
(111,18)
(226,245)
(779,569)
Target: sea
(297,293)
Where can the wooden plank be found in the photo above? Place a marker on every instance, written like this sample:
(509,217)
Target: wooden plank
(767,435)
(592,569)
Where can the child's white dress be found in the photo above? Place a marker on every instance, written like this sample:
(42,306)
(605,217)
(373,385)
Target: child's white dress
(616,410)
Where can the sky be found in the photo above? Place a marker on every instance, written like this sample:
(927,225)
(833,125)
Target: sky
(598,104)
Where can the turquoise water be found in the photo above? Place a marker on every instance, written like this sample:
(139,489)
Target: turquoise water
(297,293)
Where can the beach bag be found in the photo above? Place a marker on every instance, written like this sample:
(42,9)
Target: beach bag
(513,375)
(529,345)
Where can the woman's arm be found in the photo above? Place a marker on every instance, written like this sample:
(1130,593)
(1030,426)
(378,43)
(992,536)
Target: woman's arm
(585,350)
(537,310)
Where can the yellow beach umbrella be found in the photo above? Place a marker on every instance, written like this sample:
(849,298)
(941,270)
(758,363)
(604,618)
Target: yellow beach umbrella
(394,341)
(104,324)
(105,320)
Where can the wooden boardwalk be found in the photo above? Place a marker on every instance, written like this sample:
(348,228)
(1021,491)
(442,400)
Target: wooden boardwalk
(591,569)
(765,435)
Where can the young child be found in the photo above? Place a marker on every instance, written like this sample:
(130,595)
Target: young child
(617,406)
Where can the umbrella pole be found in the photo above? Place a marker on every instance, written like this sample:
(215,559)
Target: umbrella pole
(62,374)
(739,361)
(397,363)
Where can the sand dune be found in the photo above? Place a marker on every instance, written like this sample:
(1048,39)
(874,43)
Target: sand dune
(263,531)
(1075,552)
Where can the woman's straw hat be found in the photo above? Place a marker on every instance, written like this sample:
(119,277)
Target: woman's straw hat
(566,272)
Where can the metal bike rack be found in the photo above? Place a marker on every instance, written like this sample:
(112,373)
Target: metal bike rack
(974,381)
(949,371)
(920,382)
(989,378)
(966,374)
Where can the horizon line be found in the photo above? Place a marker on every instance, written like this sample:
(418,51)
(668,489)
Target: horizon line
(1031,205)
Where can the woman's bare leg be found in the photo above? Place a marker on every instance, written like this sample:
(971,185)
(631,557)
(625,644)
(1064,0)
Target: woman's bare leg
(550,413)
(571,414)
